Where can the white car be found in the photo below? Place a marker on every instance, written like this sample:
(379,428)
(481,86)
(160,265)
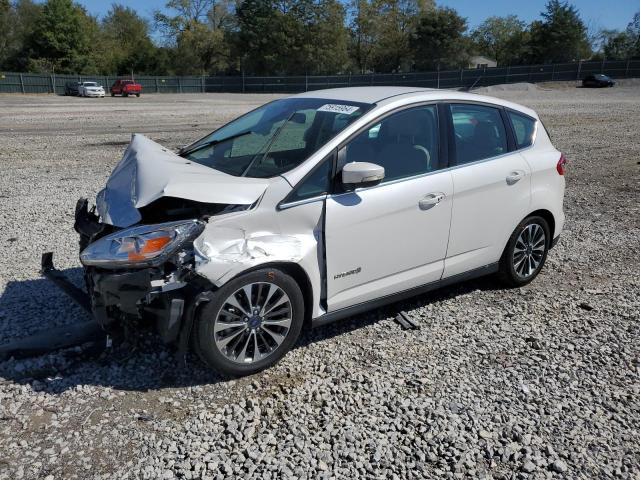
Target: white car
(315,208)
(90,89)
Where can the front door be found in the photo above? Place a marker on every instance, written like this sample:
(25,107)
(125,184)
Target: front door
(393,236)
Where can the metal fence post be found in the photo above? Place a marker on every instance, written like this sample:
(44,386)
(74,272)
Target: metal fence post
(553,71)
(602,66)
(626,72)
(438,75)
(243,81)
(202,83)
(579,68)
(21,83)
(306,82)
(157,89)
(53,86)
(508,73)
(179,85)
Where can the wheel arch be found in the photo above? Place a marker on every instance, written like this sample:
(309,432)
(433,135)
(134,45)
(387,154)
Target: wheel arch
(550,219)
(300,276)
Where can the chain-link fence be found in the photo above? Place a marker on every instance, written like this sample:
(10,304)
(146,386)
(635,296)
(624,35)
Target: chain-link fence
(463,78)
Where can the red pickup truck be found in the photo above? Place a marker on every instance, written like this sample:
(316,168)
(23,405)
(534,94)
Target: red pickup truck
(126,88)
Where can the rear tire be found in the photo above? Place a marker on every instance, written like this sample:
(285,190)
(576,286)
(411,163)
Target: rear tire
(525,253)
(238,335)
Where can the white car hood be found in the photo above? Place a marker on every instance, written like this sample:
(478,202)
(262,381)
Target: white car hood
(149,171)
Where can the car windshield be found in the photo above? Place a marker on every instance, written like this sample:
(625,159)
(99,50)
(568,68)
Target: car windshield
(602,77)
(274,138)
(90,84)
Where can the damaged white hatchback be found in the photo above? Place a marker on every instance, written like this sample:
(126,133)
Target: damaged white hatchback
(314,208)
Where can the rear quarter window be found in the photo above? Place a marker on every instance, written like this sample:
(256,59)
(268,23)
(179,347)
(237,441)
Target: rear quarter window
(524,128)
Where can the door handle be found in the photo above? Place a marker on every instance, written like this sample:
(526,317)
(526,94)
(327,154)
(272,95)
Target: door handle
(515,176)
(430,200)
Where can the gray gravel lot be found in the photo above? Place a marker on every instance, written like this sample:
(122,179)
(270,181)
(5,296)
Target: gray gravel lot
(537,382)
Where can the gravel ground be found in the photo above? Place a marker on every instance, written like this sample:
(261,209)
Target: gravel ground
(537,382)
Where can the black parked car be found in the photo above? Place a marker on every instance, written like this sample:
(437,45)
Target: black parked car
(71,88)
(598,80)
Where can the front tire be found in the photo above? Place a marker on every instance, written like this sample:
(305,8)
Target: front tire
(254,320)
(526,252)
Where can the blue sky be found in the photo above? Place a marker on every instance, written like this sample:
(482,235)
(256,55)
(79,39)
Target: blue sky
(596,13)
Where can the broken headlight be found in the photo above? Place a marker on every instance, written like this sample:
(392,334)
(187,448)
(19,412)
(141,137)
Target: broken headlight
(142,246)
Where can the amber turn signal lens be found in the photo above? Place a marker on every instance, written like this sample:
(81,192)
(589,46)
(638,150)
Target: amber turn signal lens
(152,245)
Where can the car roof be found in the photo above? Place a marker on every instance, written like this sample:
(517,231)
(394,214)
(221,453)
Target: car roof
(405,95)
(361,94)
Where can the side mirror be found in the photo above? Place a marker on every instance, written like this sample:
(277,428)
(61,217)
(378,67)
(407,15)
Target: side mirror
(362,174)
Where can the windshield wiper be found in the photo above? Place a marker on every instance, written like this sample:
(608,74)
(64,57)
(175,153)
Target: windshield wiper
(215,142)
(268,145)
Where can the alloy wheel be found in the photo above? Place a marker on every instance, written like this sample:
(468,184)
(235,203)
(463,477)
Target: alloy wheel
(253,322)
(529,250)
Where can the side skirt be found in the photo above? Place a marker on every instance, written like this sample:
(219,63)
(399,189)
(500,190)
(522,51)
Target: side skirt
(396,297)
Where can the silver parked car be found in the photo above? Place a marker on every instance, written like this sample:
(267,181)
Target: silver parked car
(314,208)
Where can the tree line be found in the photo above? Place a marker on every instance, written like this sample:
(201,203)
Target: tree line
(291,37)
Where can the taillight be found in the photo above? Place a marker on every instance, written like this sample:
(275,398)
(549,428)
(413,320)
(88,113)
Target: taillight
(561,163)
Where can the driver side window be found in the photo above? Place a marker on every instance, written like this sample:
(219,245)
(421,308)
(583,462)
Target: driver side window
(404,143)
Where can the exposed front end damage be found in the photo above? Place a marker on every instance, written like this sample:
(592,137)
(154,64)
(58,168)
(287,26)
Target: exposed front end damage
(166,234)
(126,298)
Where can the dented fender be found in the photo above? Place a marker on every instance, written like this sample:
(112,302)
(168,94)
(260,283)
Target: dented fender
(231,245)
(224,251)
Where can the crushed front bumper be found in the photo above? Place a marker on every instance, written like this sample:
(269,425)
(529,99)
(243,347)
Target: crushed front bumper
(116,299)
(124,299)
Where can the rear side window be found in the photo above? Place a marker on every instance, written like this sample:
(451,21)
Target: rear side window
(523,128)
(479,132)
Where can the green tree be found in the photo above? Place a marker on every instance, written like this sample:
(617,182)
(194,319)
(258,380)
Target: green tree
(291,37)
(6,14)
(501,38)
(396,22)
(381,33)
(196,30)
(201,50)
(439,40)
(363,35)
(323,36)
(125,43)
(633,36)
(615,45)
(17,23)
(560,37)
(62,38)
(182,14)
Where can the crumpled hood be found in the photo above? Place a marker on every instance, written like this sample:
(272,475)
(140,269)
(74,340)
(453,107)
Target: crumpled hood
(149,171)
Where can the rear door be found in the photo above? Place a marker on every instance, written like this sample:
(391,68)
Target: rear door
(393,236)
(491,183)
